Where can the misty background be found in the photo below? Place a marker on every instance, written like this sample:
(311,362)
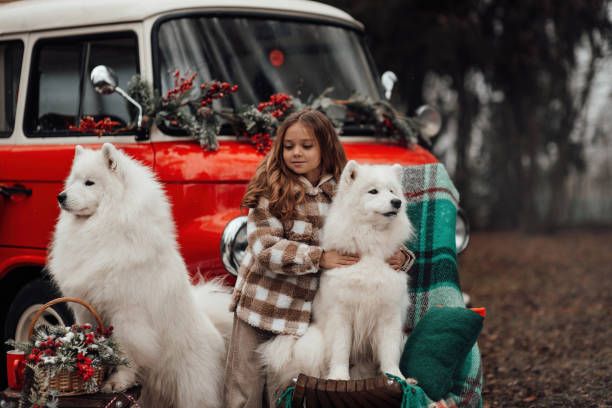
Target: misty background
(525,90)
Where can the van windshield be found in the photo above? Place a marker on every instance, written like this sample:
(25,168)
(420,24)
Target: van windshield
(264,56)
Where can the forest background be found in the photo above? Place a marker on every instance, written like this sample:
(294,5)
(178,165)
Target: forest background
(525,90)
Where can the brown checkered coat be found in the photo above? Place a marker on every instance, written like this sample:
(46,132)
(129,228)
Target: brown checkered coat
(279,275)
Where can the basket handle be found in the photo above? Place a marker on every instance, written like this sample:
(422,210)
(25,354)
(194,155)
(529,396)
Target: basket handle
(64,300)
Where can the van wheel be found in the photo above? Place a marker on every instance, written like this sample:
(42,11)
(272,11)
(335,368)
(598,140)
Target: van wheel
(22,310)
(25,305)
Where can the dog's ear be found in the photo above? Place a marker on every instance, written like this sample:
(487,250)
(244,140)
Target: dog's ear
(350,172)
(78,149)
(111,155)
(399,170)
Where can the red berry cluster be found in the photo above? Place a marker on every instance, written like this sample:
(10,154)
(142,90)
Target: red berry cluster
(90,338)
(45,348)
(86,371)
(105,332)
(277,105)
(89,125)
(262,141)
(388,124)
(34,356)
(215,90)
(182,84)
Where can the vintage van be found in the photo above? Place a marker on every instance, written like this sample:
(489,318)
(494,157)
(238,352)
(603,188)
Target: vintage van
(47,51)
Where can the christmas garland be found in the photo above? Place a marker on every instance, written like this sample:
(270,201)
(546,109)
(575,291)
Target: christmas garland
(184,108)
(56,348)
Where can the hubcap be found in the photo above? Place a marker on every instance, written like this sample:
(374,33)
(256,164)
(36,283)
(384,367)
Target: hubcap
(50,318)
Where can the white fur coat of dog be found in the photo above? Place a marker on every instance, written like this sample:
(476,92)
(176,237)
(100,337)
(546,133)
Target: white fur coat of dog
(359,311)
(115,247)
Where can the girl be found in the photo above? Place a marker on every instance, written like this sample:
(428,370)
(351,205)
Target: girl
(288,199)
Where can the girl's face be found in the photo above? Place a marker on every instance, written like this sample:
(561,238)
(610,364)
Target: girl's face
(301,152)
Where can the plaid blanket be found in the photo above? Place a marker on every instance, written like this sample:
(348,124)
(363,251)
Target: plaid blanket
(432,208)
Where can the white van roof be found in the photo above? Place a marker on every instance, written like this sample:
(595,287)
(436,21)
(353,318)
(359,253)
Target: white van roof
(35,15)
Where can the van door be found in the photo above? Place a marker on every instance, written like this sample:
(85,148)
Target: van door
(60,94)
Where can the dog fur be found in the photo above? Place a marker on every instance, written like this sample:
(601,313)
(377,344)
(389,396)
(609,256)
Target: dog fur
(359,311)
(115,247)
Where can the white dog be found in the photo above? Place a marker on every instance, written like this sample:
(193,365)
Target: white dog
(359,311)
(115,247)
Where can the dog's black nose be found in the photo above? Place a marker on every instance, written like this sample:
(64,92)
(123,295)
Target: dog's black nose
(61,197)
(396,203)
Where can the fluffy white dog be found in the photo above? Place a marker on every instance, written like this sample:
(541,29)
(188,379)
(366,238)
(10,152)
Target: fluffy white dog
(115,247)
(359,311)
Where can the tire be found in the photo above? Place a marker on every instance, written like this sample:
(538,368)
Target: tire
(23,307)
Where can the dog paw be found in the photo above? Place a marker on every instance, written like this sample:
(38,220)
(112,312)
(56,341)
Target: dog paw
(119,381)
(412,381)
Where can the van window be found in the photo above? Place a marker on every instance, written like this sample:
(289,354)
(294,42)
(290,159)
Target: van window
(11,54)
(60,91)
(265,56)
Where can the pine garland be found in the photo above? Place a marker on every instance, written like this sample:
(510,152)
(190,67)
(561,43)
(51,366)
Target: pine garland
(192,111)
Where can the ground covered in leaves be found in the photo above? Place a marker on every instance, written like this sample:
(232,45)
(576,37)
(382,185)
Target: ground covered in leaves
(547,339)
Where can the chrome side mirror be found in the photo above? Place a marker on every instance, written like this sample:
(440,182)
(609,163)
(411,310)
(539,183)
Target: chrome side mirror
(388,80)
(104,81)
(430,121)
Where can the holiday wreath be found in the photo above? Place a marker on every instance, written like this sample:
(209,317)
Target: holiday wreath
(192,110)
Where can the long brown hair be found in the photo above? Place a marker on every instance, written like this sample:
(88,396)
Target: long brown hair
(281,186)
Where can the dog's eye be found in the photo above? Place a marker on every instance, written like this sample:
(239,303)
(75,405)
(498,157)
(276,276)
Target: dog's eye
(373,191)
(89,183)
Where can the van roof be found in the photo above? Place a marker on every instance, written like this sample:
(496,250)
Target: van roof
(36,15)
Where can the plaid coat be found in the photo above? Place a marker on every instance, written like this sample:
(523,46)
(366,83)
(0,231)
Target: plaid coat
(278,277)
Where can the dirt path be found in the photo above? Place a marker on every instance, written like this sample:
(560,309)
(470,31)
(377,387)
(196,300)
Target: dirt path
(547,340)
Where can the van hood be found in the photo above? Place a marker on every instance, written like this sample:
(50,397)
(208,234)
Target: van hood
(235,162)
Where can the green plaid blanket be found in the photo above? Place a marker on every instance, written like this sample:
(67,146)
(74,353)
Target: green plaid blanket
(432,208)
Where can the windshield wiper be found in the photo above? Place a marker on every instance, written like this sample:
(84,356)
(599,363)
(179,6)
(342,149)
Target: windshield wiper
(352,129)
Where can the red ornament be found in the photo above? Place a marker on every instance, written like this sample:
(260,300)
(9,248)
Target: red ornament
(276,57)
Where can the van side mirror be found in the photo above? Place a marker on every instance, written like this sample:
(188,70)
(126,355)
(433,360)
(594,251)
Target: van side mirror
(388,80)
(104,81)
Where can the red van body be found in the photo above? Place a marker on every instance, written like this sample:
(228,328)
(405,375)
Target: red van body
(204,187)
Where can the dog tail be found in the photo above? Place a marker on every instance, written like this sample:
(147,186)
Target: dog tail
(277,353)
(213,299)
(286,356)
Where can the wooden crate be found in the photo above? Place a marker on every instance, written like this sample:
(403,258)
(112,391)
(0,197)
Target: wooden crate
(375,392)
(98,400)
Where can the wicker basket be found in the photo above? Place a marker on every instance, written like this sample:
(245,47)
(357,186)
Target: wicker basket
(70,382)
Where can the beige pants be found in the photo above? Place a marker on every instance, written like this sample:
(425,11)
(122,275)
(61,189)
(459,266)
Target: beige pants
(245,383)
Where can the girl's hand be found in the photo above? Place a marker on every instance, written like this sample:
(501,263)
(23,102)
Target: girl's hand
(397,260)
(334,259)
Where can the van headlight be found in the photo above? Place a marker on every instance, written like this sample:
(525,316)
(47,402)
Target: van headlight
(233,244)
(462,231)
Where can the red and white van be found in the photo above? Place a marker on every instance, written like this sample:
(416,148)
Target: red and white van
(47,50)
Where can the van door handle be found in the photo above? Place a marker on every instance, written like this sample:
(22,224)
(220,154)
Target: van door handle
(17,189)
